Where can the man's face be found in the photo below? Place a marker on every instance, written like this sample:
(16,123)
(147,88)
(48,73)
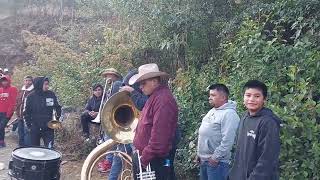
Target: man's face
(217,98)
(97,92)
(27,82)
(45,86)
(4,83)
(253,99)
(112,77)
(148,86)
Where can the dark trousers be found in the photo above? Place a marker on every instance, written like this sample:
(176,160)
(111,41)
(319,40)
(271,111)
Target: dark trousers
(44,133)
(3,123)
(85,120)
(24,134)
(157,164)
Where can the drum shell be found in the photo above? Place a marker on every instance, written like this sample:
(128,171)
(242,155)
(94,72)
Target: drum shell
(26,169)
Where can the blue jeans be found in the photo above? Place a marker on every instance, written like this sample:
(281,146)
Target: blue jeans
(117,161)
(218,172)
(24,134)
(109,157)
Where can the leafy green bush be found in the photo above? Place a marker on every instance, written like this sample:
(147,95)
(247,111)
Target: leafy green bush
(73,73)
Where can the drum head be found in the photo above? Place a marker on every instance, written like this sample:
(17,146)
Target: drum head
(34,153)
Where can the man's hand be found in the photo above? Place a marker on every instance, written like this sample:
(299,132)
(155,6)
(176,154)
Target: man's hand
(28,128)
(93,114)
(213,162)
(127,88)
(197,160)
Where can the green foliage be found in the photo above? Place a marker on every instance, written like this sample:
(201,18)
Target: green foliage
(72,74)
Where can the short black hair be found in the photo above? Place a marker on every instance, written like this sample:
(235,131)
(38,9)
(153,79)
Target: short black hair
(255,84)
(96,86)
(220,87)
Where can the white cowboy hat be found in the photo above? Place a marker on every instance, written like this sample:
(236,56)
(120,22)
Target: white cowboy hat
(147,71)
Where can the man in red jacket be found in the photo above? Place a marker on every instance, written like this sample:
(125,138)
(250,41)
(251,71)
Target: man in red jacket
(8,95)
(155,133)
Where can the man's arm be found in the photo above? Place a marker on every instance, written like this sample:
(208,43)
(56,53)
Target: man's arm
(12,102)
(19,104)
(229,126)
(269,146)
(27,110)
(138,99)
(163,130)
(57,107)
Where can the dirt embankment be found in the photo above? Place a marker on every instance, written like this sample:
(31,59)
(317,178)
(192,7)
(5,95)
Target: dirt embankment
(12,48)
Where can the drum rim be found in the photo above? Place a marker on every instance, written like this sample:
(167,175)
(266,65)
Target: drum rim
(16,156)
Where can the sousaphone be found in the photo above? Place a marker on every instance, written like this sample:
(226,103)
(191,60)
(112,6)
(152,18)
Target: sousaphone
(119,118)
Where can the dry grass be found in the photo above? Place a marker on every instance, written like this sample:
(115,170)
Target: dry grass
(69,139)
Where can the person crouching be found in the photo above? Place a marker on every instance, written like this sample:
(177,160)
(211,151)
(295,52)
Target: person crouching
(91,110)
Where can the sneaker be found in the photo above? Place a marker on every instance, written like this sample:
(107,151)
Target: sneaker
(2,144)
(104,166)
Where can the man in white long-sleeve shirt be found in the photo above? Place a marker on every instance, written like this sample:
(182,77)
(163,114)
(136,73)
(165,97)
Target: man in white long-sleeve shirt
(216,135)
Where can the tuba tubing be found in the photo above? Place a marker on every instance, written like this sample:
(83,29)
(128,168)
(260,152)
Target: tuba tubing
(94,156)
(118,118)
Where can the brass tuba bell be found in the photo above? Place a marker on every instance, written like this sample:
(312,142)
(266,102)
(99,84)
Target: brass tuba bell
(119,118)
(54,123)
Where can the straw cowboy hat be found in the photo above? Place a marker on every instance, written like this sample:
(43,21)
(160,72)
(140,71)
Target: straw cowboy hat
(147,71)
(111,71)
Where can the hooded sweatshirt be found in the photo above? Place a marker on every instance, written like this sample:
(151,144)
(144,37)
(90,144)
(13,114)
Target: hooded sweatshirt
(217,133)
(258,147)
(40,105)
(8,97)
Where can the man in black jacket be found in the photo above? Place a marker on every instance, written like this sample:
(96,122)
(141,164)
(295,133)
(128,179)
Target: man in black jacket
(92,109)
(39,110)
(258,141)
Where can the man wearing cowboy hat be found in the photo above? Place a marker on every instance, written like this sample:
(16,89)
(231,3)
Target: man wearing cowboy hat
(113,77)
(112,74)
(156,129)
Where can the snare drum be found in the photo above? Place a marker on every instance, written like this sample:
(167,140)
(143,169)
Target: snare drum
(35,163)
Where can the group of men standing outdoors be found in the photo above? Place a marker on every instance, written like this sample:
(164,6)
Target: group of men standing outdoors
(256,133)
(34,104)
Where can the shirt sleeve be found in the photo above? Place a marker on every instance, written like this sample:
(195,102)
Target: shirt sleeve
(57,107)
(12,102)
(229,126)
(139,99)
(165,117)
(269,146)
(19,104)
(27,111)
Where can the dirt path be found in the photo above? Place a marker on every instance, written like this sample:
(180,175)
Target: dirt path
(5,153)
(69,171)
